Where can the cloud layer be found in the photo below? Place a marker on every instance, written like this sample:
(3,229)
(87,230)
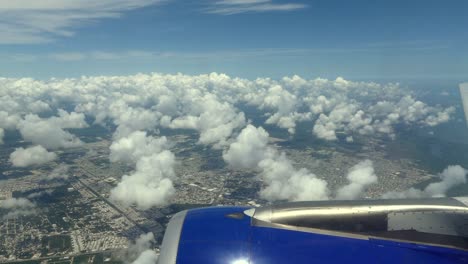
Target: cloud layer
(210,104)
(138,106)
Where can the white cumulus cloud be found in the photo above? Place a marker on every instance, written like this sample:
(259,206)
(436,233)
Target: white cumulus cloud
(215,120)
(135,146)
(208,103)
(359,176)
(37,155)
(450,177)
(17,207)
(283,181)
(50,132)
(249,148)
(59,172)
(150,184)
(140,251)
(8,121)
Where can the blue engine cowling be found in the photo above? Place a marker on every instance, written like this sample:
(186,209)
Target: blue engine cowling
(357,231)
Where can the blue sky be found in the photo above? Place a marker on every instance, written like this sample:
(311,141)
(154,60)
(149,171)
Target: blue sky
(247,38)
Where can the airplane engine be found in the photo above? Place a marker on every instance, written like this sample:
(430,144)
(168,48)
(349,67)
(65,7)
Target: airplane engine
(367,231)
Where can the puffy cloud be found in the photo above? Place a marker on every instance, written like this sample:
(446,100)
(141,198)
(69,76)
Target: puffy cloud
(59,172)
(343,117)
(146,257)
(365,108)
(140,252)
(15,203)
(324,129)
(21,96)
(284,103)
(144,102)
(351,116)
(410,193)
(411,111)
(17,207)
(135,146)
(39,194)
(129,119)
(36,155)
(215,120)
(450,177)
(282,180)
(8,121)
(249,148)
(68,120)
(359,176)
(207,103)
(2,134)
(150,184)
(440,117)
(49,132)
